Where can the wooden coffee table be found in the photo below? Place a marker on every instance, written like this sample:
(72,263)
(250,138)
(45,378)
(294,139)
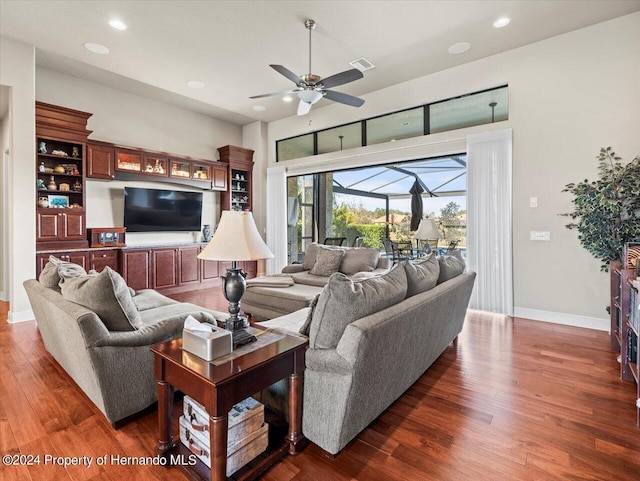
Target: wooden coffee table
(218,386)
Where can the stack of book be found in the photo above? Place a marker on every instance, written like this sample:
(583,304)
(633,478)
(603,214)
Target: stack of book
(247,438)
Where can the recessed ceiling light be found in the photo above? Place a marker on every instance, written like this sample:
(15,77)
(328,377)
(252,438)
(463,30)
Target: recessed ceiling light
(195,84)
(259,108)
(460,47)
(287,98)
(502,22)
(96,48)
(118,24)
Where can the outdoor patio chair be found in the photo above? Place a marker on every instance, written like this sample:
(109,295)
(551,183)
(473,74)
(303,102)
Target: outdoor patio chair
(334,241)
(397,251)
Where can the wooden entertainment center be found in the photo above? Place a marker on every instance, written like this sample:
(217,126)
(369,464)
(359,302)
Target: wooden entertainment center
(66,158)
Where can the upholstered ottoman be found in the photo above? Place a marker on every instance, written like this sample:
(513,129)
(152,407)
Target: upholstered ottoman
(269,302)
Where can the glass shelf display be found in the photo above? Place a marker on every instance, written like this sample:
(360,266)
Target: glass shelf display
(180,169)
(201,172)
(155,165)
(128,162)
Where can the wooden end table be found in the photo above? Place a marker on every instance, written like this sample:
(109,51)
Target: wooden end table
(218,387)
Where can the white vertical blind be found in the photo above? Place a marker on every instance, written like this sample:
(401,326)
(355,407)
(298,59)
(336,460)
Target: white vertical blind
(489,232)
(276,218)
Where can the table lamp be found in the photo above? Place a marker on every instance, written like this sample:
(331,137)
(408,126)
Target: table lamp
(427,230)
(236,239)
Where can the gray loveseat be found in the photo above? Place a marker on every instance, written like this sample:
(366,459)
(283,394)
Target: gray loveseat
(110,361)
(264,301)
(370,340)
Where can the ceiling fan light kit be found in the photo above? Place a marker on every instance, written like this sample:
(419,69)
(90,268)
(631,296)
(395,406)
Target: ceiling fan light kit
(311,88)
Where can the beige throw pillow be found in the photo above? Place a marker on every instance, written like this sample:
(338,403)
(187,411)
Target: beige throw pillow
(343,301)
(107,295)
(359,259)
(310,256)
(328,261)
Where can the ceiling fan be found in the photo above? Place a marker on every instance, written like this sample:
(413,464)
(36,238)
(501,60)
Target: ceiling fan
(310,88)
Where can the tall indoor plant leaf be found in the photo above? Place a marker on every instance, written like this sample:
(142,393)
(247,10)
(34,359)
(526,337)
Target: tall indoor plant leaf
(607,211)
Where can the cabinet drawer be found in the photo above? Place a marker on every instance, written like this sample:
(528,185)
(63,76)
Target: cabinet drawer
(98,260)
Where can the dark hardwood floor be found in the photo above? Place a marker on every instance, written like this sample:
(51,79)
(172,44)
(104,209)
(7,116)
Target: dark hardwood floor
(512,400)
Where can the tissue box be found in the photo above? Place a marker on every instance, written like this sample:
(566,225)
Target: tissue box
(207,345)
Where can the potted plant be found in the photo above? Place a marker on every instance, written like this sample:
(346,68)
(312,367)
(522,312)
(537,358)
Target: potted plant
(607,211)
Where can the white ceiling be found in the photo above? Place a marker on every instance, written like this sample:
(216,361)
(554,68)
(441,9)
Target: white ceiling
(229,45)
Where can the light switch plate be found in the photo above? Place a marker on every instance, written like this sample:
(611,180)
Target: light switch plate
(533,202)
(540,235)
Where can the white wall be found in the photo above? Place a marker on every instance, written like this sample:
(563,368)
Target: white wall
(128,119)
(18,72)
(568,96)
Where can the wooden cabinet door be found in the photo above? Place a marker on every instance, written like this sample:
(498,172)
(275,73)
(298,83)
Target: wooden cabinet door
(41,261)
(98,260)
(189,265)
(136,268)
(165,272)
(219,178)
(251,268)
(73,226)
(100,162)
(48,225)
(210,269)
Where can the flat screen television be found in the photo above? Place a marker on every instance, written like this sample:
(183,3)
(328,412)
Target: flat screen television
(153,210)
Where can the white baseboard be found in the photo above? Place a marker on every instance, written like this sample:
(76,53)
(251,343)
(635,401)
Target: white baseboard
(21,316)
(561,318)
(2,298)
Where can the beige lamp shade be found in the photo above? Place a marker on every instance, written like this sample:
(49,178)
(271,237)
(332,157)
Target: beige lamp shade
(236,239)
(427,230)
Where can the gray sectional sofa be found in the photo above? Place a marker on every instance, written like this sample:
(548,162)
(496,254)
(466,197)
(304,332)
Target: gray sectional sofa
(264,301)
(371,339)
(100,334)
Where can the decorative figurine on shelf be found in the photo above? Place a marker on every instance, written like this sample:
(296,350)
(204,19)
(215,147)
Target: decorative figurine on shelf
(43,202)
(206,233)
(42,148)
(40,184)
(158,169)
(42,168)
(75,152)
(60,153)
(52,184)
(77,186)
(149,168)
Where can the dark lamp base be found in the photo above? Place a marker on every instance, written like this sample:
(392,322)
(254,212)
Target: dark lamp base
(241,337)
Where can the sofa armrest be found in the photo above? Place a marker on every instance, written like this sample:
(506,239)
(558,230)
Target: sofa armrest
(327,360)
(292,269)
(146,336)
(383,264)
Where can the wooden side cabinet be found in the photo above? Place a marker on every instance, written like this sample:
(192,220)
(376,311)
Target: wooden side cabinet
(100,161)
(77,257)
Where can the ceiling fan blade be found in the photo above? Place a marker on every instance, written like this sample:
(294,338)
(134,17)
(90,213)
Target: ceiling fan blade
(288,73)
(342,78)
(273,94)
(343,98)
(303,108)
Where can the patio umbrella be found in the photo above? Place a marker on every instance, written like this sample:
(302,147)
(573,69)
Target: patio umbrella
(416,205)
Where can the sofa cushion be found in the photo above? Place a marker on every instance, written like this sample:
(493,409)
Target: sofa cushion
(49,276)
(327,261)
(107,295)
(450,267)
(343,301)
(359,259)
(309,279)
(422,274)
(310,256)
(148,299)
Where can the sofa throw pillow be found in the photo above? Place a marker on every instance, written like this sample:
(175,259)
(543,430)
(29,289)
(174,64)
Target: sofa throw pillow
(327,261)
(359,259)
(107,295)
(343,301)
(56,270)
(310,256)
(304,330)
(422,274)
(450,267)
